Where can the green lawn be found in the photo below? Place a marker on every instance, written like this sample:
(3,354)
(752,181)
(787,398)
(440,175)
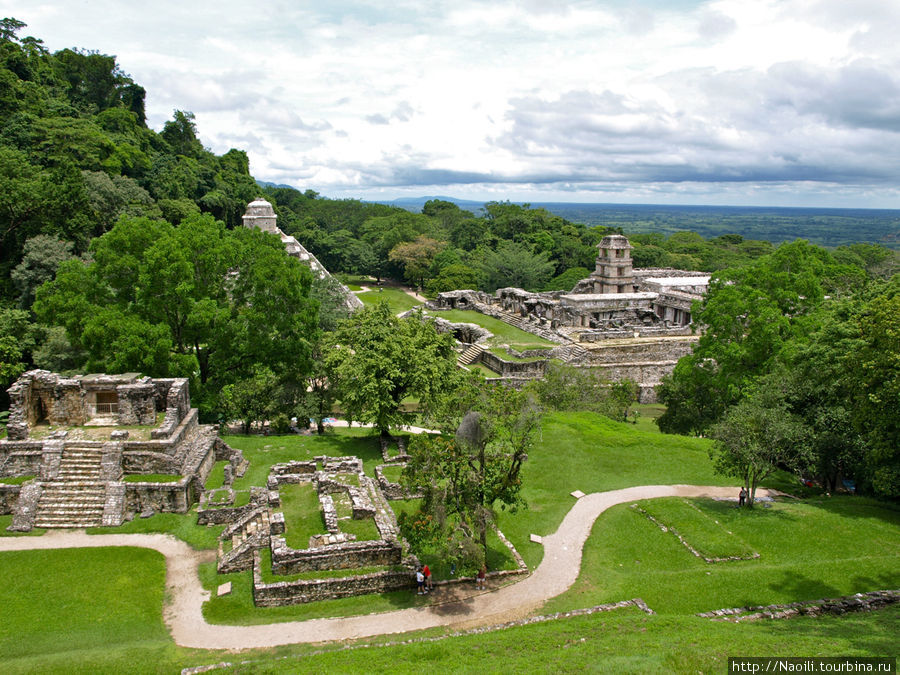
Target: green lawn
(216,478)
(503,332)
(396,299)
(264,451)
(15,480)
(302,514)
(181,525)
(100,610)
(699,528)
(71,601)
(808,550)
(591,453)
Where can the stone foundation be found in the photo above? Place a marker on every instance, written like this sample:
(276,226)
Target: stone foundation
(861,602)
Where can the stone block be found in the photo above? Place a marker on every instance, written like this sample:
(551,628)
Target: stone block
(224,589)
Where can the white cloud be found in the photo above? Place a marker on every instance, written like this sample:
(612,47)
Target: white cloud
(722,100)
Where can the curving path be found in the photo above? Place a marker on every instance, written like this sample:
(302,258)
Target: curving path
(184,616)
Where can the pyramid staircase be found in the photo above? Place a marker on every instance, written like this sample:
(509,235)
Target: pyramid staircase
(470,355)
(77,496)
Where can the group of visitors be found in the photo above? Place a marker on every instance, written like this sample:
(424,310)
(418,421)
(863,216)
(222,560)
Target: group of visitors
(423,580)
(425,583)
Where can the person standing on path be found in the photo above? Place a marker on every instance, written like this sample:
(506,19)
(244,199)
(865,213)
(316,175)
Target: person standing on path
(480,579)
(420,581)
(429,584)
(742,497)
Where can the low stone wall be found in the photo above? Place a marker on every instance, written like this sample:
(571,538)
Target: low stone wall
(22,462)
(9,495)
(287,560)
(861,602)
(142,462)
(283,593)
(392,490)
(159,497)
(513,368)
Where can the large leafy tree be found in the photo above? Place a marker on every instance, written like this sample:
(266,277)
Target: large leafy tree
(464,477)
(375,360)
(749,315)
(193,300)
(757,436)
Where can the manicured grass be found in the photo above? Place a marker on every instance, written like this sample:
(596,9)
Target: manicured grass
(483,369)
(364,528)
(808,550)
(623,641)
(395,298)
(75,599)
(702,531)
(264,451)
(503,332)
(153,478)
(392,472)
(591,453)
(6,521)
(181,525)
(302,514)
(216,478)
(15,480)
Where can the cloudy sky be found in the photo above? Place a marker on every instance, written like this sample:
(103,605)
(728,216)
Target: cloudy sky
(761,102)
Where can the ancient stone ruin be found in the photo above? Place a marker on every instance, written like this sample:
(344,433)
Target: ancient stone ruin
(631,323)
(83,443)
(260,214)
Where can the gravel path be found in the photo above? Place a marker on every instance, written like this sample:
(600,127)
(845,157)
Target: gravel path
(556,573)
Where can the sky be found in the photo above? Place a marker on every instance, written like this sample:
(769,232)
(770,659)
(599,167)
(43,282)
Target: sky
(741,102)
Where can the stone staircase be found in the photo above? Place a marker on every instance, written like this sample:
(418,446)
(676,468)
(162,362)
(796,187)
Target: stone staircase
(77,496)
(470,355)
(249,533)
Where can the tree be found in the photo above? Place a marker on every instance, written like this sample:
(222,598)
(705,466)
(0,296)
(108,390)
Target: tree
(416,257)
(513,264)
(453,277)
(196,301)
(565,387)
(757,436)
(43,255)
(465,476)
(375,360)
(749,314)
(16,343)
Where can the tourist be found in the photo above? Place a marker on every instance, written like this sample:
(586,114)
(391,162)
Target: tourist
(420,581)
(480,579)
(742,497)
(429,585)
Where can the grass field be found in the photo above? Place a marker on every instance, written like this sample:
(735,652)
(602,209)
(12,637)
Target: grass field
(823,547)
(58,617)
(503,332)
(396,298)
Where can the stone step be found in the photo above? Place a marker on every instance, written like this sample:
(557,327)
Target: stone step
(65,523)
(79,484)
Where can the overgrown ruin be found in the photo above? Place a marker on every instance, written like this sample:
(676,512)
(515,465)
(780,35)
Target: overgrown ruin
(82,445)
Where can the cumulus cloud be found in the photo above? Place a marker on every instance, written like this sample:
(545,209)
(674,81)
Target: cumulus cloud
(719,100)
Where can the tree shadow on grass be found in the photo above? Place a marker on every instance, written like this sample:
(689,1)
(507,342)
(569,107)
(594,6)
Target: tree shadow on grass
(803,588)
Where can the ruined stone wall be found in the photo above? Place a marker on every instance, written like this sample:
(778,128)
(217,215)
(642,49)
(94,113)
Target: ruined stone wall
(159,497)
(513,368)
(9,495)
(286,560)
(137,403)
(178,405)
(284,593)
(143,461)
(22,459)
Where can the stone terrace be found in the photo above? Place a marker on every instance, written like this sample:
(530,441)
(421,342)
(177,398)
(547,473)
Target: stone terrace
(83,450)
